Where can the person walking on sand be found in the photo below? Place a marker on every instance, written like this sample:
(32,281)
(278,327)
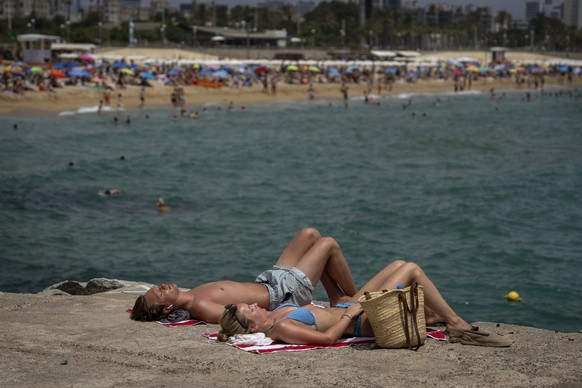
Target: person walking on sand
(119,101)
(312,324)
(306,260)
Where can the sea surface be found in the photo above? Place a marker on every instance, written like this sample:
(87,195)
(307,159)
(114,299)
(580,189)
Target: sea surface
(485,195)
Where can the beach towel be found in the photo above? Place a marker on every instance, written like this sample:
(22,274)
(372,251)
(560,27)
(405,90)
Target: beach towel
(259,344)
(177,318)
(274,347)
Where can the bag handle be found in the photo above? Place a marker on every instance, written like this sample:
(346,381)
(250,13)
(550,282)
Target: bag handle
(412,311)
(415,305)
(402,299)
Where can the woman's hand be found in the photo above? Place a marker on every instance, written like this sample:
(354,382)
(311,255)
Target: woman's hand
(354,310)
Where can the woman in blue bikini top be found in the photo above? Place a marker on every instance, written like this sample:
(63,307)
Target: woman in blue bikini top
(315,325)
(309,324)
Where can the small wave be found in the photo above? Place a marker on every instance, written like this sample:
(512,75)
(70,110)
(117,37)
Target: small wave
(84,110)
(405,96)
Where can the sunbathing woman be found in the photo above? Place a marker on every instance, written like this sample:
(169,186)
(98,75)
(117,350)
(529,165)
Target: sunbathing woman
(315,325)
(308,258)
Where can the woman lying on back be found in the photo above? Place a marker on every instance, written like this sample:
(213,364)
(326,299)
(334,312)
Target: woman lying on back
(315,325)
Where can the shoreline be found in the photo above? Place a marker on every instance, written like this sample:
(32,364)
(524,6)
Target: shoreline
(73,98)
(52,340)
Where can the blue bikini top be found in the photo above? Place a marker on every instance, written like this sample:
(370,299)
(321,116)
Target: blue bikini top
(300,314)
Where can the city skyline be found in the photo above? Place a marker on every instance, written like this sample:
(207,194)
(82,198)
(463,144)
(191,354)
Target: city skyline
(515,7)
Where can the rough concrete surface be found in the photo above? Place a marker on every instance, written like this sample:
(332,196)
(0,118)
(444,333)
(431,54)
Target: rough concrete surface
(89,341)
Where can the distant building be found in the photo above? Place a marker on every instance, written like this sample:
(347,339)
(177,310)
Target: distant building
(393,4)
(573,13)
(25,8)
(552,9)
(532,9)
(157,6)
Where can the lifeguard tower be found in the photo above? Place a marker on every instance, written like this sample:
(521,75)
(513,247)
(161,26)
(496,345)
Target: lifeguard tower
(35,49)
(498,54)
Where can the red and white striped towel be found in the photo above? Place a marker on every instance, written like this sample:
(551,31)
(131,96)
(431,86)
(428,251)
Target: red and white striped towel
(187,322)
(282,347)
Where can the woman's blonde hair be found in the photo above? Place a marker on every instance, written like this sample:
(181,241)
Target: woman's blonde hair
(231,324)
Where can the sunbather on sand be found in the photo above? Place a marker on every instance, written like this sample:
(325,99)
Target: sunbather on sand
(307,259)
(315,325)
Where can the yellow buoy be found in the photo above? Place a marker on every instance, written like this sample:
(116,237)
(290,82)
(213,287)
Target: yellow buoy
(513,296)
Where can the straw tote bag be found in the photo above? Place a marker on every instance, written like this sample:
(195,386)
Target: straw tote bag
(396,316)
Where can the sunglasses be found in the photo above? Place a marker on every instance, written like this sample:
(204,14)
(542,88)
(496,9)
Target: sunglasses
(231,308)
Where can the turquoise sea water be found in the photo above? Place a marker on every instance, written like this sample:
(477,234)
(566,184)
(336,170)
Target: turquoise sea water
(485,196)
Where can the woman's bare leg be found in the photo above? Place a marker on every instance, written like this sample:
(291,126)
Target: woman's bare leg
(407,273)
(326,257)
(301,243)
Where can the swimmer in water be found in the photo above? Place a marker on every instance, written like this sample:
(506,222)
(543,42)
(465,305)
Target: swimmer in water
(162,206)
(112,192)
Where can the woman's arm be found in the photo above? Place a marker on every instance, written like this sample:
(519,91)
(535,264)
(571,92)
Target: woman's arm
(292,333)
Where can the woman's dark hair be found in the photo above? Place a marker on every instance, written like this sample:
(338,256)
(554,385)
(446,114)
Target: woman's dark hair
(141,311)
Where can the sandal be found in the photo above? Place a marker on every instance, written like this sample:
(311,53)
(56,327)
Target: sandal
(478,338)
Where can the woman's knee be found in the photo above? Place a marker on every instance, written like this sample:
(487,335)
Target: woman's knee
(328,243)
(412,268)
(310,234)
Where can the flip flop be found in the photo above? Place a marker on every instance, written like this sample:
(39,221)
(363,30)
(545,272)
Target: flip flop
(478,337)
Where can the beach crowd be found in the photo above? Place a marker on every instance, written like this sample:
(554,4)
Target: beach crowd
(108,74)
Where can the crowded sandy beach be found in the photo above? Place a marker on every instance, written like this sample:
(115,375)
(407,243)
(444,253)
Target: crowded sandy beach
(137,78)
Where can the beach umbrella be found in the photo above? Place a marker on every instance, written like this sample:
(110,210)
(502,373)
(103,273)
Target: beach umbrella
(86,57)
(118,65)
(174,72)
(126,71)
(79,73)
(261,69)
(73,64)
(147,75)
(391,70)
(292,68)
(333,72)
(35,69)
(59,64)
(314,69)
(57,74)
(221,74)
(564,69)
(577,71)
